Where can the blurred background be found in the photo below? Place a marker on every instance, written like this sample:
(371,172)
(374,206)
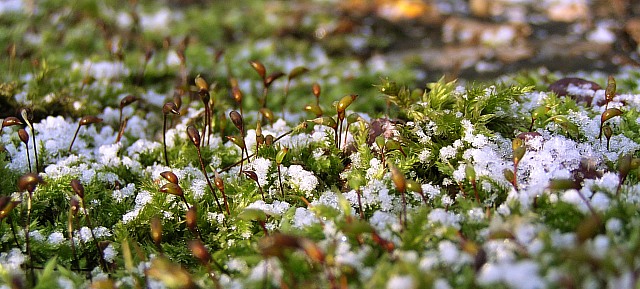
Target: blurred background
(347,45)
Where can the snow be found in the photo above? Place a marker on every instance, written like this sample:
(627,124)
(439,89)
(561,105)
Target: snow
(301,179)
(120,194)
(158,22)
(109,253)
(261,167)
(56,238)
(401,282)
(444,218)
(277,208)
(303,218)
(101,70)
(12,260)
(519,275)
(601,35)
(272,269)
(10,6)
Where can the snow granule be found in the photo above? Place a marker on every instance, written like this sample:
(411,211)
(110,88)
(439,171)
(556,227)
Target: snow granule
(614,225)
(475,215)
(85,234)
(303,218)
(123,193)
(447,153)
(449,253)
(108,154)
(157,22)
(198,188)
(441,283)
(36,236)
(109,253)
(12,259)
(124,20)
(277,208)
(141,146)
(271,267)
(521,275)
(261,167)
(302,180)
(56,238)
(600,246)
(130,216)
(101,70)
(65,283)
(10,6)
(238,265)
(401,282)
(445,218)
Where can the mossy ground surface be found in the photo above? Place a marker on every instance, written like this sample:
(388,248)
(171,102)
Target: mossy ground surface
(430,183)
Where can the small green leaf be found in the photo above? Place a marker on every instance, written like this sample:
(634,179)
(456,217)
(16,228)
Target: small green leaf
(281,154)
(470,172)
(380,141)
(356,181)
(126,255)
(414,186)
(398,178)
(324,211)
(357,227)
(539,112)
(46,277)
(588,228)
(252,215)
(563,184)
(508,175)
(344,205)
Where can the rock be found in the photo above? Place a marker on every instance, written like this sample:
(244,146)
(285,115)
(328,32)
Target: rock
(568,11)
(472,32)
(561,87)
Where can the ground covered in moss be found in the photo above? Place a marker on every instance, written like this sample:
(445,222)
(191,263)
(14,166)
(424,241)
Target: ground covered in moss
(183,146)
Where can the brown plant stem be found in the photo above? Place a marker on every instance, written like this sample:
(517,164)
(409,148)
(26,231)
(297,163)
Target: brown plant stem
(360,204)
(184,199)
(514,182)
(28,157)
(280,182)
(346,132)
(475,190)
(206,122)
(27,228)
(74,263)
(206,176)
(121,130)
(74,137)
(13,231)
(164,139)
(35,148)
(103,263)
